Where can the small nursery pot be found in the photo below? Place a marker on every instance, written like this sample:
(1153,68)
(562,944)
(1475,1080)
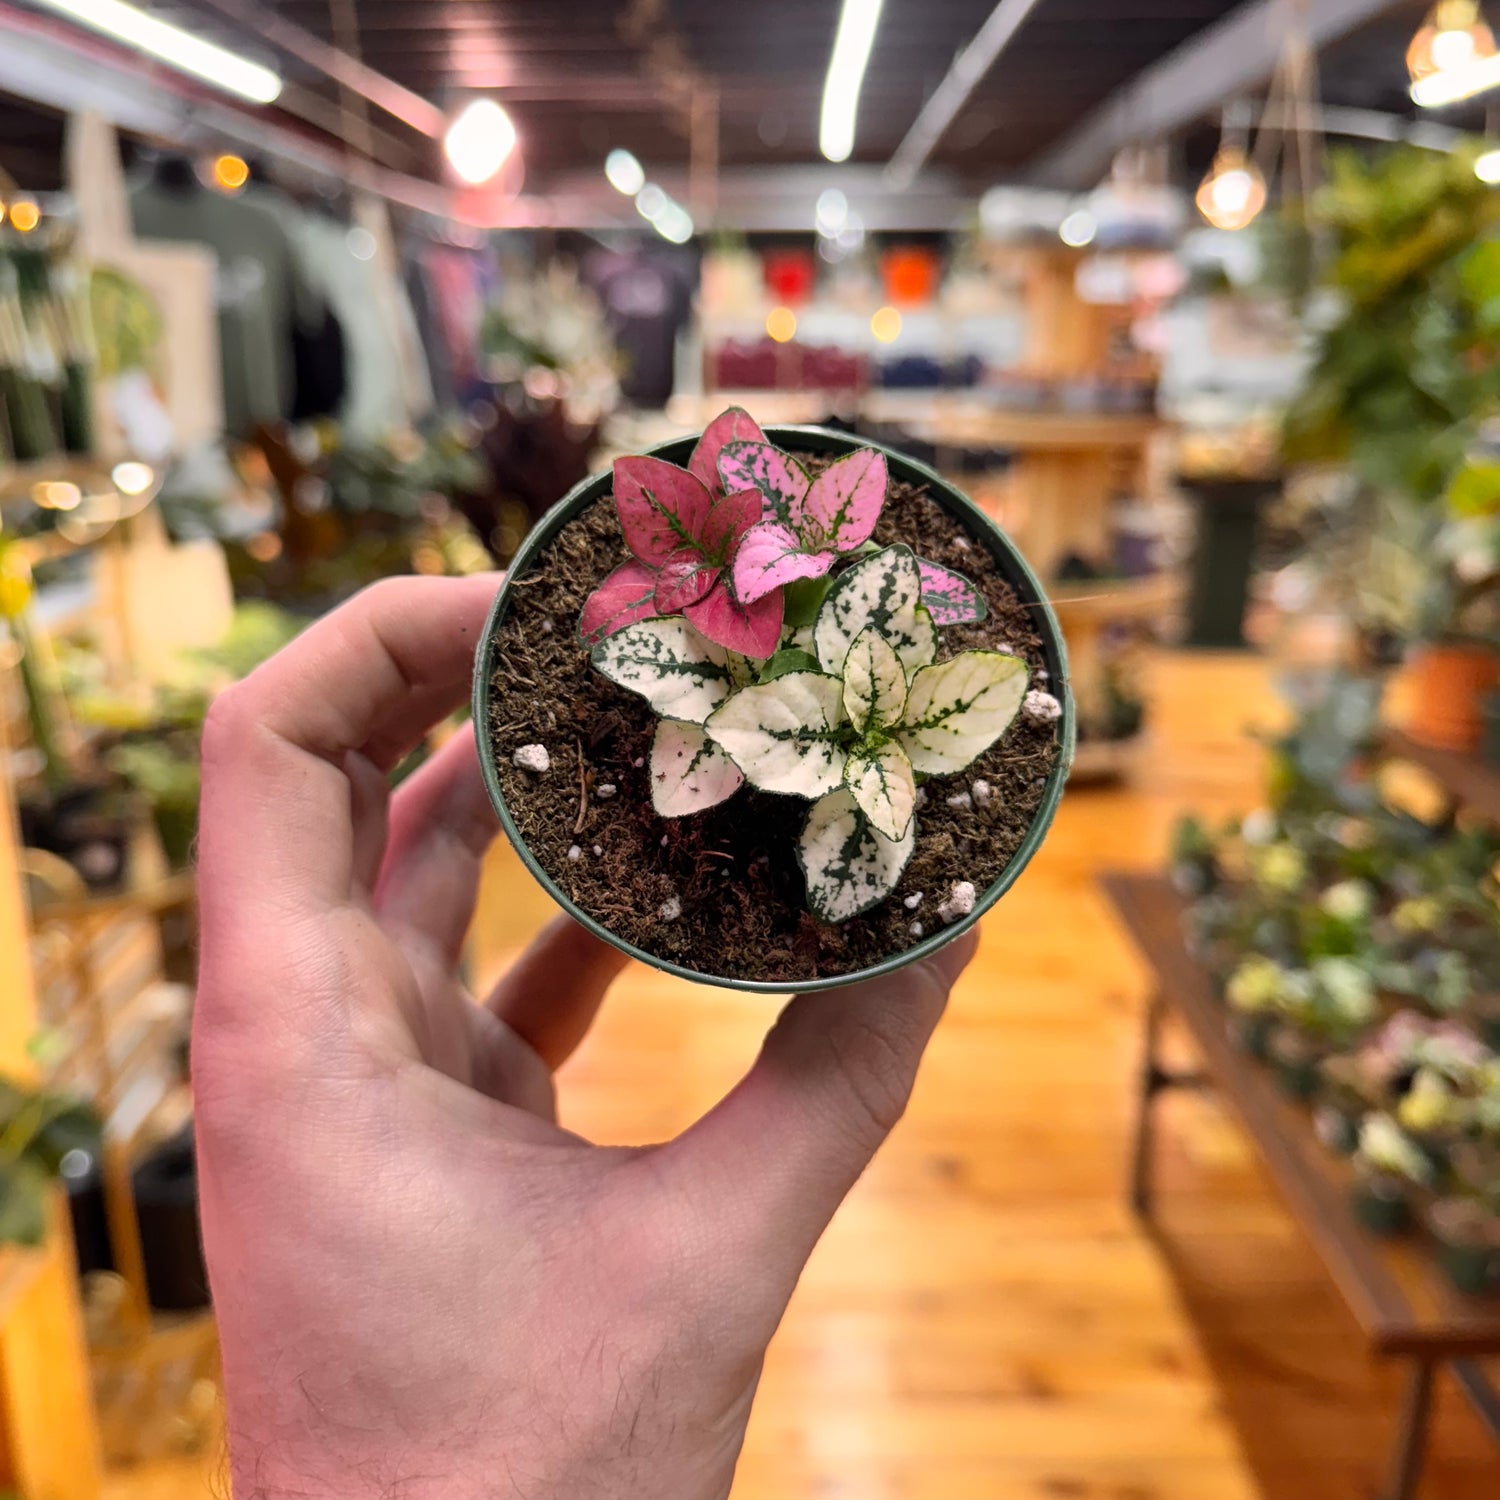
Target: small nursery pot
(1380,1210)
(974,523)
(1449,681)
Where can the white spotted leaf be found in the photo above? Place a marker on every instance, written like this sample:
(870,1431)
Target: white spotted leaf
(874,683)
(689,773)
(784,735)
(678,672)
(956,710)
(849,867)
(884,786)
(883,592)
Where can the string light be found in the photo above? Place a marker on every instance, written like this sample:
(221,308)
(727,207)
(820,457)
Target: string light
(1080,228)
(885,325)
(25,215)
(230,173)
(625,173)
(1233,193)
(781,324)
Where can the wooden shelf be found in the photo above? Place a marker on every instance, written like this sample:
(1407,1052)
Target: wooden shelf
(1468,778)
(1394,1288)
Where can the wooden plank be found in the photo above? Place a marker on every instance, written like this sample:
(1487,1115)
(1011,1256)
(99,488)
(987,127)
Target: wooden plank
(1397,1294)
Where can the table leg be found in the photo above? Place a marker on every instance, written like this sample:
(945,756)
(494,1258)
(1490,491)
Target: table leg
(1150,1086)
(1411,1436)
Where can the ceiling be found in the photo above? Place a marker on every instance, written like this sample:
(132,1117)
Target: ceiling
(581,76)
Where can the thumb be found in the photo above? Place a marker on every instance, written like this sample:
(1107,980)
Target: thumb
(767,1168)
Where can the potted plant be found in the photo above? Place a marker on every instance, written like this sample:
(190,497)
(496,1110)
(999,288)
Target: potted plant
(775,711)
(1324,1007)
(1401,383)
(1387,1169)
(1468,1236)
(38,1131)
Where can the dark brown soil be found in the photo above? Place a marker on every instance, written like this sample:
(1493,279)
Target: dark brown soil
(733,869)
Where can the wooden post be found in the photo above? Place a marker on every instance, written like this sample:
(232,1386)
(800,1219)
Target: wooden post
(49,1442)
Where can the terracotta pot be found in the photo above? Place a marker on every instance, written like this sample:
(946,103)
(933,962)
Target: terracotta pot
(1448,682)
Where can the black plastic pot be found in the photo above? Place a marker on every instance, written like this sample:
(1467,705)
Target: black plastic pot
(1471,1268)
(166,1206)
(1381,1213)
(979,527)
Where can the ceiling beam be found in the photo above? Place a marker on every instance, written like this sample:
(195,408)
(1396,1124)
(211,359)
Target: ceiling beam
(950,96)
(1236,54)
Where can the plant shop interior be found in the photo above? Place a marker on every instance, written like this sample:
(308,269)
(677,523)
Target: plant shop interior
(1021,466)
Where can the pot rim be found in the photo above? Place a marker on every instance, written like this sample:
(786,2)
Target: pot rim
(1014,569)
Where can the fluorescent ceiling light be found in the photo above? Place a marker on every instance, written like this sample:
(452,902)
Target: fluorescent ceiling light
(180,49)
(846,75)
(1452,84)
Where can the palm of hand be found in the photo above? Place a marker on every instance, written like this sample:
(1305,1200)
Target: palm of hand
(424,1285)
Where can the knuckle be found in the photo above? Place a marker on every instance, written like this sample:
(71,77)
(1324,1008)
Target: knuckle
(873,1060)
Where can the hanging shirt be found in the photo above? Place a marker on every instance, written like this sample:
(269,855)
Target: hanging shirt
(261,292)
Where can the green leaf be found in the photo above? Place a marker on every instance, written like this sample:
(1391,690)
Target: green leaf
(23,1202)
(689,773)
(958,709)
(884,786)
(789,659)
(884,592)
(849,867)
(1475,490)
(874,683)
(677,671)
(803,598)
(785,735)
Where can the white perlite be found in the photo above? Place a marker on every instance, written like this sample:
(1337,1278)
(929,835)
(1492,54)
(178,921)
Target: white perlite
(670,909)
(598,850)
(606,791)
(961,801)
(546,627)
(575,853)
(913,901)
(917,929)
(960,901)
(1043,706)
(921,798)
(533,758)
(638,762)
(982,793)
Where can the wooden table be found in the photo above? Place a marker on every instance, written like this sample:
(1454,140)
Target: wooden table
(1469,780)
(1395,1290)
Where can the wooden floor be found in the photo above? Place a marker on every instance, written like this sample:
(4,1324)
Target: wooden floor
(985,1321)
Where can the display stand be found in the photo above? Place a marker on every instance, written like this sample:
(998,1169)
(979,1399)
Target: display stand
(1404,1305)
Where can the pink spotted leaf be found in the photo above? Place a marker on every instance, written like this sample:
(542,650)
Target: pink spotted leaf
(751,629)
(771,556)
(727,523)
(661,507)
(950,598)
(844,502)
(684,579)
(627,595)
(781,480)
(734,425)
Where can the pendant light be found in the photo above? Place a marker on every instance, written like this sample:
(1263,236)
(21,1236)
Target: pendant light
(1453,37)
(1233,193)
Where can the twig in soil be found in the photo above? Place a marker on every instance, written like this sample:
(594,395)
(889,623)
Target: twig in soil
(583,791)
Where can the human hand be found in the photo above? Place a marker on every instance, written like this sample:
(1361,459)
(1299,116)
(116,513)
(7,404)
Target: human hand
(424,1286)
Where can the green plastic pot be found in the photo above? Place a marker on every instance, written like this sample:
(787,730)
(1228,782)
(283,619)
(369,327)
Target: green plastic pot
(976,524)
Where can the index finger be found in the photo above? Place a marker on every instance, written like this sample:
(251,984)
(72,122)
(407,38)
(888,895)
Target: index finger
(367,680)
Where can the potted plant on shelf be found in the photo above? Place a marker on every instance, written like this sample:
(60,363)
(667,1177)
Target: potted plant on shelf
(775,711)
(1468,1234)
(38,1131)
(1401,384)
(1388,1169)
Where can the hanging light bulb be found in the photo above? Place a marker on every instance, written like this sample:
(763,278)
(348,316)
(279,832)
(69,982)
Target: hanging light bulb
(1453,37)
(1233,193)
